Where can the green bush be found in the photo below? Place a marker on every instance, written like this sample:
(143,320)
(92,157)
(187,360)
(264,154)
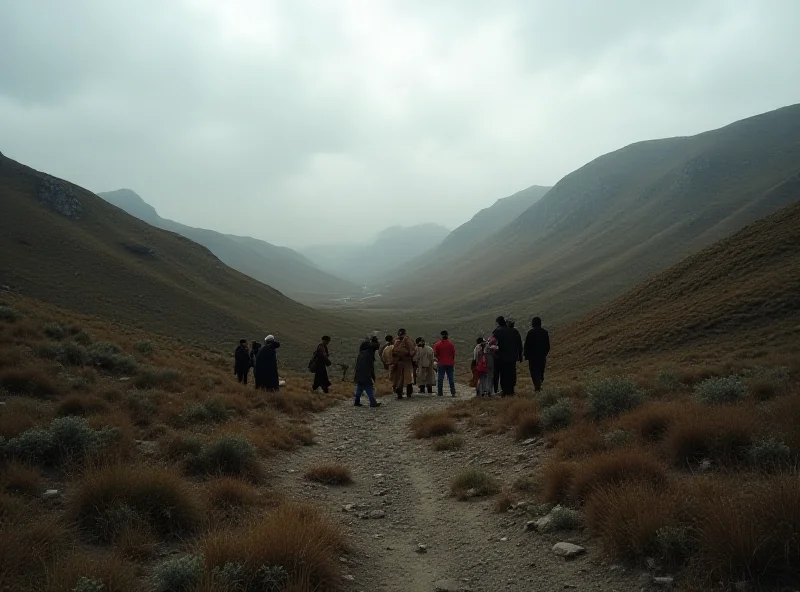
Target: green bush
(69,354)
(235,577)
(9,314)
(610,397)
(145,347)
(82,338)
(673,543)
(557,416)
(213,410)
(48,351)
(67,438)
(229,455)
(718,390)
(148,378)
(562,518)
(55,331)
(179,575)
(668,380)
(89,585)
(616,438)
(769,454)
(141,408)
(108,357)
(547,398)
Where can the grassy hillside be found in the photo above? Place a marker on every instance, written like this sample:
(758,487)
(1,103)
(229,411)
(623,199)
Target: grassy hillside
(101,261)
(373,261)
(738,299)
(282,268)
(621,218)
(130,462)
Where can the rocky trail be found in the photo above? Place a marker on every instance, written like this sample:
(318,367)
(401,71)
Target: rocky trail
(408,534)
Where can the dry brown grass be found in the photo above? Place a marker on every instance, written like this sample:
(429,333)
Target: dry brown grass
(21,414)
(228,493)
(652,421)
(297,537)
(472,482)
(447,443)
(579,440)
(433,424)
(115,573)
(504,501)
(113,498)
(527,426)
(81,405)
(20,479)
(329,474)
(34,381)
(721,435)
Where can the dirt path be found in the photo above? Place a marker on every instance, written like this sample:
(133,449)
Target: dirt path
(405,479)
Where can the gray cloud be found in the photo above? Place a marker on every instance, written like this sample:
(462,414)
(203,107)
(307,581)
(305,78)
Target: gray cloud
(304,122)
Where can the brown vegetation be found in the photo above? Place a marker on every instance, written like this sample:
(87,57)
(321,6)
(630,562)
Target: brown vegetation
(330,474)
(433,424)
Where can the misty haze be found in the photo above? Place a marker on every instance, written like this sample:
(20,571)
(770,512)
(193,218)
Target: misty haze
(399,296)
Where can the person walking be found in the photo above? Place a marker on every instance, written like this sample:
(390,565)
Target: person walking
(242,361)
(424,359)
(266,371)
(445,354)
(402,371)
(537,346)
(509,352)
(387,342)
(319,366)
(365,372)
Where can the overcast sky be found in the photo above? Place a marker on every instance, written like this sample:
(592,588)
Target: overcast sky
(324,121)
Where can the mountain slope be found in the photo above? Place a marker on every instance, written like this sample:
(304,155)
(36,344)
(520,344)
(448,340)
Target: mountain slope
(280,267)
(621,218)
(740,296)
(63,244)
(374,261)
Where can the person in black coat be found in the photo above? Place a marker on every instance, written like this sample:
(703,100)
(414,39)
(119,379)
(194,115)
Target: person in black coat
(319,365)
(509,352)
(241,362)
(365,372)
(266,371)
(537,346)
(254,354)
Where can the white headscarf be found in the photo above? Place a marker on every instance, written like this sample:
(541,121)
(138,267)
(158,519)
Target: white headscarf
(269,338)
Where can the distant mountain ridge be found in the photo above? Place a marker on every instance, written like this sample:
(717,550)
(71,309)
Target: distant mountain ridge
(375,260)
(280,267)
(619,219)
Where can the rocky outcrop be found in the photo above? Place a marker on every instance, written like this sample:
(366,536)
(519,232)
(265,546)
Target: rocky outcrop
(59,197)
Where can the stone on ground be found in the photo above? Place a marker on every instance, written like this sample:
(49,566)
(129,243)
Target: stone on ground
(568,550)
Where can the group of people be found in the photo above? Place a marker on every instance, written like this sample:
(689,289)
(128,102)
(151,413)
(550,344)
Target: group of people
(414,362)
(494,361)
(262,359)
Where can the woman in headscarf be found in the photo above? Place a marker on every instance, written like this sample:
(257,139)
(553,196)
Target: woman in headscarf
(484,358)
(266,372)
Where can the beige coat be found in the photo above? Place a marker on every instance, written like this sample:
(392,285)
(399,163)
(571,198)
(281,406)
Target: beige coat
(402,371)
(424,360)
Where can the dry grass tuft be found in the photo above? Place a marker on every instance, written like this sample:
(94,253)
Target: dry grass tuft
(19,415)
(330,474)
(722,435)
(228,493)
(472,483)
(108,573)
(20,479)
(556,481)
(616,467)
(527,426)
(433,424)
(295,537)
(29,541)
(111,499)
(579,440)
(445,443)
(81,405)
(651,422)
(504,501)
(32,381)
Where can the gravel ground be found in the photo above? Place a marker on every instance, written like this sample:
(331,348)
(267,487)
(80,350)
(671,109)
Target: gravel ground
(399,499)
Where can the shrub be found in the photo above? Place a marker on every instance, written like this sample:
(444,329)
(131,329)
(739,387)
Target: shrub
(9,314)
(88,572)
(295,543)
(28,381)
(504,501)
(472,483)
(213,410)
(723,436)
(82,338)
(578,440)
(67,438)
(145,347)
(330,474)
(715,391)
(651,422)
(527,426)
(148,378)
(72,354)
(547,398)
(21,480)
(55,331)
(81,405)
(668,380)
(628,518)
(227,493)
(181,574)
(89,585)
(108,357)
(229,455)
(557,479)
(769,454)
(562,518)
(530,483)
(141,407)
(610,397)
(616,438)
(616,467)
(432,424)
(674,544)
(557,416)
(114,498)
(450,442)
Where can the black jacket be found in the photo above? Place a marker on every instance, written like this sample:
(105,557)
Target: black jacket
(266,371)
(537,344)
(509,344)
(365,363)
(242,360)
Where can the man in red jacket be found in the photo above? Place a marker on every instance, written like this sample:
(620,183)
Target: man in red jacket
(445,354)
